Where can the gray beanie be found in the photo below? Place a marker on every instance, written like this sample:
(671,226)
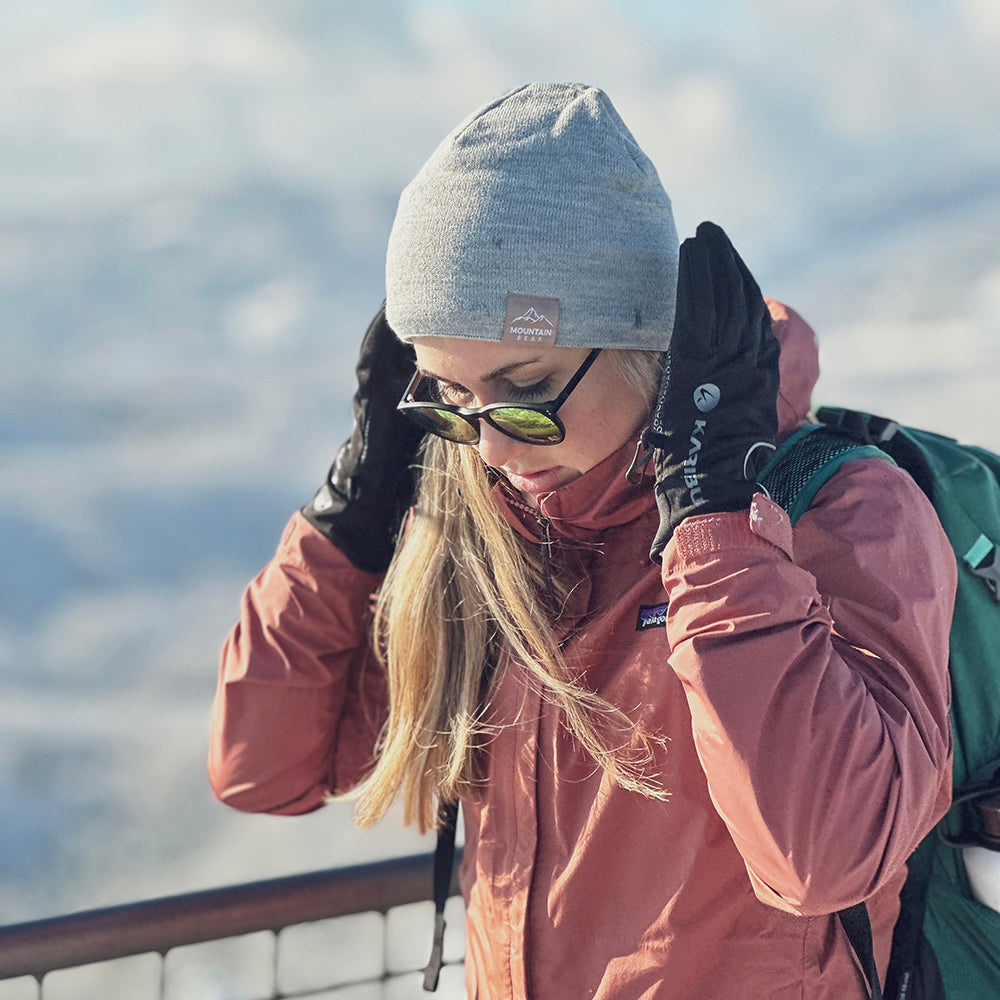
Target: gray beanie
(538,218)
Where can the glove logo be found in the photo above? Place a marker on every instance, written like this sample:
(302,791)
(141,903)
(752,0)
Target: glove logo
(691,463)
(707,396)
(323,500)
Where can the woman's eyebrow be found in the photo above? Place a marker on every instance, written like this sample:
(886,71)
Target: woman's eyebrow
(502,372)
(507,369)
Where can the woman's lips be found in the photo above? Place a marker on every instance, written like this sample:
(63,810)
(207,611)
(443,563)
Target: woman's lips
(538,482)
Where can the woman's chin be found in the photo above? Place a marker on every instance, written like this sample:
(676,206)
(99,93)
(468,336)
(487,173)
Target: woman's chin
(534,484)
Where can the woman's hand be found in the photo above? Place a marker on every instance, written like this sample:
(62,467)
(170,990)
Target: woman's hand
(716,416)
(369,487)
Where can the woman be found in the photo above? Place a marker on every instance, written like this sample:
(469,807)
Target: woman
(672,770)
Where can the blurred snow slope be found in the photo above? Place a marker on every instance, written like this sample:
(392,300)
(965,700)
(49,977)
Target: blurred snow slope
(195,201)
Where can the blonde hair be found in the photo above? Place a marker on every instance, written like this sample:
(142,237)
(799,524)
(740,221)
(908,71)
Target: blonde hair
(463,591)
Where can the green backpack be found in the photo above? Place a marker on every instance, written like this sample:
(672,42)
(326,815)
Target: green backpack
(945,944)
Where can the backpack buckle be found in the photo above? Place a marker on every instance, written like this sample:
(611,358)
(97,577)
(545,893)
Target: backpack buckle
(982,560)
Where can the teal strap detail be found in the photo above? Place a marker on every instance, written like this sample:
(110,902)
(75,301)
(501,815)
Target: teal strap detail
(982,560)
(980,552)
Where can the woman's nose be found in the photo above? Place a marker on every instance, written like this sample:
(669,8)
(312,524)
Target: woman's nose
(496,448)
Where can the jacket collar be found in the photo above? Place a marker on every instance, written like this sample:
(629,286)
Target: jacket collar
(599,499)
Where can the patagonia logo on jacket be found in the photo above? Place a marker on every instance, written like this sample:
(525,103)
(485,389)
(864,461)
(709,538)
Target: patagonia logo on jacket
(651,616)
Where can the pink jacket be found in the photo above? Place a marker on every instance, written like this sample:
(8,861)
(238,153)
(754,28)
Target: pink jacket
(800,677)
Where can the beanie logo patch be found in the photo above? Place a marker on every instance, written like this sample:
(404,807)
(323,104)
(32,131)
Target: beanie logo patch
(530,319)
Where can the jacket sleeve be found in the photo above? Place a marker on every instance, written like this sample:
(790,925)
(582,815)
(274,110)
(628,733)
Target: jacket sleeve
(300,697)
(817,680)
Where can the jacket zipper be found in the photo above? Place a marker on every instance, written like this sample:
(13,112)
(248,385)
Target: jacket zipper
(545,530)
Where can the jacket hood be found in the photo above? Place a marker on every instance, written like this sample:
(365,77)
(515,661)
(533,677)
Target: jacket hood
(799,365)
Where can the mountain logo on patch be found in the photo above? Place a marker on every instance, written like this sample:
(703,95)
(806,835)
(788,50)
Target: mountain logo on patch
(535,319)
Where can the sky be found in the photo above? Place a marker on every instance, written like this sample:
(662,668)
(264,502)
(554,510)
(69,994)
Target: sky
(194,204)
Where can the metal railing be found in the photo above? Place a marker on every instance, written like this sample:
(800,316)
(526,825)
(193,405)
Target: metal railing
(159,925)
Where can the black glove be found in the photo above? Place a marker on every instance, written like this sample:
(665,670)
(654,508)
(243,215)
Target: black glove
(716,416)
(369,487)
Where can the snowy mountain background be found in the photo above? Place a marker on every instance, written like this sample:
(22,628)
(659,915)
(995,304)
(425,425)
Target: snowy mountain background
(195,199)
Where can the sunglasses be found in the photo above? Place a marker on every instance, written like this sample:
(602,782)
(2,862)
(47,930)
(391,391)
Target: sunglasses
(532,423)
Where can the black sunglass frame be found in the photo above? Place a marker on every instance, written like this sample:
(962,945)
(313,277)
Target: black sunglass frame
(411,408)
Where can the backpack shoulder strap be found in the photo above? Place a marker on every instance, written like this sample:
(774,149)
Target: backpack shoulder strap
(858,928)
(444,865)
(807,460)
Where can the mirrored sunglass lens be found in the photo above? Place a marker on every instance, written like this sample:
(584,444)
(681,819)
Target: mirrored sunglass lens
(527,425)
(447,424)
